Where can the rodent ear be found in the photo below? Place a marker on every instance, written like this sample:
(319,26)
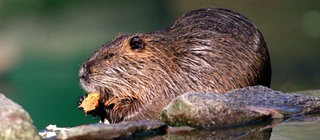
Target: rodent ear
(136,43)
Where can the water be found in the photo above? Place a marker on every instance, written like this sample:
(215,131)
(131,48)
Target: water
(297,129)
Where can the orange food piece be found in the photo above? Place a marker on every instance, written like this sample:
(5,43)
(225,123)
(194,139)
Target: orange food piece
(90,102)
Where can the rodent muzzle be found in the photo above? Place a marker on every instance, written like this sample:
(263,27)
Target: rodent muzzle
(85,78)
(83,75)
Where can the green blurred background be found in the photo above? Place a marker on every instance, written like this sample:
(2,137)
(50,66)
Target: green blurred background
(44,42)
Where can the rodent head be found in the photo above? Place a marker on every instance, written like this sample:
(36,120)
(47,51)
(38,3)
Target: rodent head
(128,68)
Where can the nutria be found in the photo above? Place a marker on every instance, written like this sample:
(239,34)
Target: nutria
(206,50)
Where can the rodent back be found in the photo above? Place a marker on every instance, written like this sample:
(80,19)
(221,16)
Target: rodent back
(224,46)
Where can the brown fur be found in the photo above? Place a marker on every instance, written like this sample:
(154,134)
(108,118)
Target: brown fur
(206,50)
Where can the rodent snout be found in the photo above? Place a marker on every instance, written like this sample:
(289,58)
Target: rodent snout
(83,75)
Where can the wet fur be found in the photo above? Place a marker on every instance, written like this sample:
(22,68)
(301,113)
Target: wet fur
(206,50)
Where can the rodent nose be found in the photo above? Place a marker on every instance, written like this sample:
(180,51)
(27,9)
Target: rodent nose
(83,77)
(83,74)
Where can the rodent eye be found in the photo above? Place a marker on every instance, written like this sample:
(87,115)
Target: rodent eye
(109,55)
(136,43)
